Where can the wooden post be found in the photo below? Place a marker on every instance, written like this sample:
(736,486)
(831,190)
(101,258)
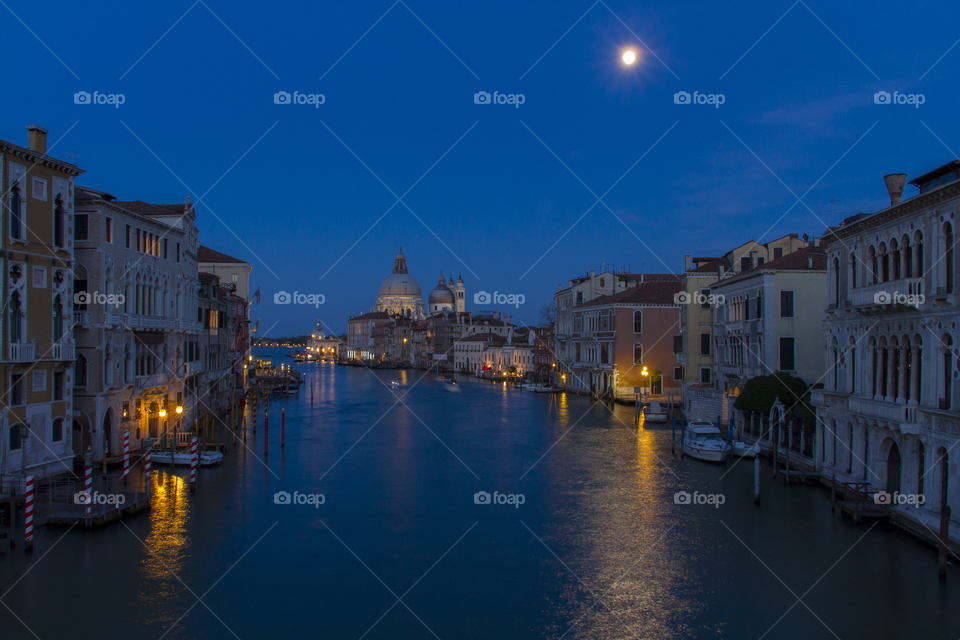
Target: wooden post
(776,446)
(673,434)
(833,491)
(13,518)
(756,480)
(944,539)
(683,428)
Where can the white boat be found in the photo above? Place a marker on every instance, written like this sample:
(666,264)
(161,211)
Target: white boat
(702,440)
(654,412)
(744,450)
(394,383)
(450,385)
(182,458)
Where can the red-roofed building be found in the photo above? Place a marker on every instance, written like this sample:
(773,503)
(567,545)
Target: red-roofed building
(613,338)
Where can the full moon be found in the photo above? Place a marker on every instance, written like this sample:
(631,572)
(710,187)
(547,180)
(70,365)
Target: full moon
(629,57)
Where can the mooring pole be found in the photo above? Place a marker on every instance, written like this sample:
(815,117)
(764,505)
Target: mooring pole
(673,434)
(756,480)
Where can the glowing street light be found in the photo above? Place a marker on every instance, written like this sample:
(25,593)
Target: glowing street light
(629,57)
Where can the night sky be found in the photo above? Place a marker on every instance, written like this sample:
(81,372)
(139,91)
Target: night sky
(507,196)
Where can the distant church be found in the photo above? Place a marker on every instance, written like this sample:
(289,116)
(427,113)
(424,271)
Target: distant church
(400,294)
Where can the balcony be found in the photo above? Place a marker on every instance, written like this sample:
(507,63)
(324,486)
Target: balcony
(111,319)
(191,368)
(155,380)
(81,318)
(64,351)
(896,416)
(22,351)
(894,295)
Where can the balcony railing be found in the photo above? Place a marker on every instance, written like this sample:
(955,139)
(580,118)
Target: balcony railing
(154,380)
(81,317)
(111,319)
(906,291)
(904,416)
(64,351)
(22,351)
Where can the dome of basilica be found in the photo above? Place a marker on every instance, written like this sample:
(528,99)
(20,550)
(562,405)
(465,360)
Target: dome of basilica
(441,295)
(399,283)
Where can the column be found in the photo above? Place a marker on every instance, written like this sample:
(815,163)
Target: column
(915,391)
(902,374)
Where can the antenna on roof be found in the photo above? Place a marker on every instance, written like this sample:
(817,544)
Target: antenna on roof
(833,212)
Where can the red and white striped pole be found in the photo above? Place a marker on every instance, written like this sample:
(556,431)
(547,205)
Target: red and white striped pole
(126,456)
(28,517)
(146,472)
(88,481)
(193,464)
(266,428)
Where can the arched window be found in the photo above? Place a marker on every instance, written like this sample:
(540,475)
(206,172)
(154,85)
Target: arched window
(918,240)
(874,266)
(637,354)
(80,371)
(853,271)
(16,207)
(907,257)
(15,437)
(947,372)
(58,323)
(895,252)
(638,322)
(836,283)
(884,263)
(57,430)
(58,221)
(948,237)
(16,318)
(921,466)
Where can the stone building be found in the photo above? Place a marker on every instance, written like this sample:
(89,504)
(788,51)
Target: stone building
(136,321)
(234,273)
(223,345)
(889,411)
(37,350)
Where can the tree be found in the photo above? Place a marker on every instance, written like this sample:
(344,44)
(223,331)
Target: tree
(547,314)
(760,394)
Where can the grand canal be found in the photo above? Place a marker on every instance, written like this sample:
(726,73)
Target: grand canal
(399,547)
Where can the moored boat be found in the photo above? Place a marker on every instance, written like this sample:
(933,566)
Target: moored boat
(702,441)
(182,458)
(744,450)
(654,412)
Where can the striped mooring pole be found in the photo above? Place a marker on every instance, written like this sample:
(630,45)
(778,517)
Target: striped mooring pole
(193,464)
(283,426)
(146,473)
(88,481)
(266,428)
(126,456)
(28,517)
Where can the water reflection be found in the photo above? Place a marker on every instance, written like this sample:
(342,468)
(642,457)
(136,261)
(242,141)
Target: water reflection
(167,543)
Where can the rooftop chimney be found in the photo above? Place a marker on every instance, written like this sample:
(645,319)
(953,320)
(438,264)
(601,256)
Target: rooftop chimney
(809,262)
(753,259)
(816,243)
(686,262)
(720,272)
(895,183)
(37,139)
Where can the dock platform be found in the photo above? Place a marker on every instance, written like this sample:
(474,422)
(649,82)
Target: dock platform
(68,514)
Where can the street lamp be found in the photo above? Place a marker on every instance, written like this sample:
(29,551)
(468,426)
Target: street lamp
(645,374)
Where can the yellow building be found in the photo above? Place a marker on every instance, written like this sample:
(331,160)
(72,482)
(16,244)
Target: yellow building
(37,320)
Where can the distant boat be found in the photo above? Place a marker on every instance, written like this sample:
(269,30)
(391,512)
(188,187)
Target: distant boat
(183,458)
(450,385)
(395,383)
(702,441)
(654,412)
(744,450)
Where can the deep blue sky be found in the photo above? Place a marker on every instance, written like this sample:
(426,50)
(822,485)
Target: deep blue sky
(800,99)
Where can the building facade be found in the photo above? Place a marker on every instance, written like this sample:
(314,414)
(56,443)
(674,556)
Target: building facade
(38,349)
(889,412)
(136,321)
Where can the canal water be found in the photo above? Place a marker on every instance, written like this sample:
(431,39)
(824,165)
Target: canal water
(597,546)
